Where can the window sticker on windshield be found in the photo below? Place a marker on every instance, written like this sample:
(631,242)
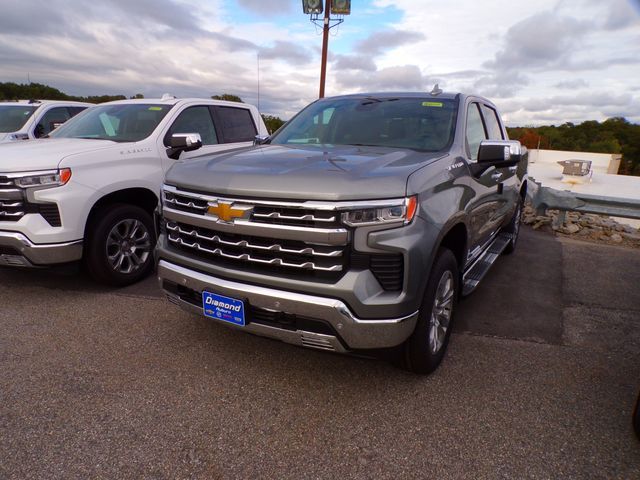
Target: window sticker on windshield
(155,109)
(432,104)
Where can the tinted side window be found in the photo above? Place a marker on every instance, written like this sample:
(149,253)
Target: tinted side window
(236,124)
(475,131)
(492,123)
(52,119)
(195,120)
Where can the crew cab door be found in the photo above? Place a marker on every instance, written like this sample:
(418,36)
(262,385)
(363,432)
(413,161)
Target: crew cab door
(220,128)
(486,209)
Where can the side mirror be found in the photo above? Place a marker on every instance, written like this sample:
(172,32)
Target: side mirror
(38,131)
(261,139)
(183,142)
(499,153)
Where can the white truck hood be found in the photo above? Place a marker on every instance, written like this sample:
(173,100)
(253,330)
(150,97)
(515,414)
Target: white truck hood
(47,153)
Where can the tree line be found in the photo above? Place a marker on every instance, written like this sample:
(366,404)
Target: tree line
(614,135)
(38,91)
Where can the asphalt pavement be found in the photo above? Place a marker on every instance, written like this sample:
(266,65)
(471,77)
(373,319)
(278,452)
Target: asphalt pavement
(539,382)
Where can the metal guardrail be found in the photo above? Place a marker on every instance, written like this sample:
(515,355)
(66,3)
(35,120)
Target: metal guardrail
(543,198)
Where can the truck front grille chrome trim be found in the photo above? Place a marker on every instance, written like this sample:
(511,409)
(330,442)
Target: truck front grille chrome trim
(246,244)
(306,218)
(11,214)
(248,258)
(319,236)
(10,205)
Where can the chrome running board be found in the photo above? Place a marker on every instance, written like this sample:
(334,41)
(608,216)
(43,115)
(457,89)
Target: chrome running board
(476,272)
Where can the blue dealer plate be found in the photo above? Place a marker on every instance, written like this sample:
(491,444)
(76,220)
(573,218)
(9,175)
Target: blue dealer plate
(223,308)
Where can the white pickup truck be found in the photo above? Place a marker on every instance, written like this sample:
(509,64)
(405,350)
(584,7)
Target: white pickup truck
(29,119)
(89,191)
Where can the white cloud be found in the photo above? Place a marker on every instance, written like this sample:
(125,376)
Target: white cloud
(527,56)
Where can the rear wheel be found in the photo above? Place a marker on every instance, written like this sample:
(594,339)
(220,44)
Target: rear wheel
(424,350)
(120,245)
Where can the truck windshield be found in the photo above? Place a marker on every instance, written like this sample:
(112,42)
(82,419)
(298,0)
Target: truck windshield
(13,117)
(424,124)
(119,123)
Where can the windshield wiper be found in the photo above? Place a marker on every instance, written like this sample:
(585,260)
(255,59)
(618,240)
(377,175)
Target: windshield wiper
(372,100)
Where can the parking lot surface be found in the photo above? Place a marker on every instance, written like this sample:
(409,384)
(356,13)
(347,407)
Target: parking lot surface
(539,382)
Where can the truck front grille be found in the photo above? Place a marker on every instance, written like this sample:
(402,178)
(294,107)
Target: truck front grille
(12,207)
(294,239)
(282,253)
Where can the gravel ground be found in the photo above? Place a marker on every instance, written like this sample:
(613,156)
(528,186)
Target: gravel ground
(539,382)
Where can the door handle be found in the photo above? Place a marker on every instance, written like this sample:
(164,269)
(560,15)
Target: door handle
(496,176)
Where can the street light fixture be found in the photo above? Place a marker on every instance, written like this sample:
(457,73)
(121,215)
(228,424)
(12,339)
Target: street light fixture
(314,9)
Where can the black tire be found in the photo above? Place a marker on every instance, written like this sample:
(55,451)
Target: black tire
(119,246)
(420,353)
(636,417)
(513,228)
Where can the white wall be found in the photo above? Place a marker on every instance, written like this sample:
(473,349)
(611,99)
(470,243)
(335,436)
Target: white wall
(601,162)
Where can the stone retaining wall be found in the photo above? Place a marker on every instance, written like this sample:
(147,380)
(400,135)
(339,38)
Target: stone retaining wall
(584,226)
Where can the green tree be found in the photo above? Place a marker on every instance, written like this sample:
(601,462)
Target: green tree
(228,97)
(272,122)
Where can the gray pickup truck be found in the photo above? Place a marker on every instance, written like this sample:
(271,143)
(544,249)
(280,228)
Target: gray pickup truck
(357,226)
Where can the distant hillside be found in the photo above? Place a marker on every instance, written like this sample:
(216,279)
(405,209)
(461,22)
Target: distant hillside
(14,91)
(615,135)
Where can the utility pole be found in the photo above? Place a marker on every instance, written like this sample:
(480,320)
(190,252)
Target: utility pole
(314,8)
(325,47)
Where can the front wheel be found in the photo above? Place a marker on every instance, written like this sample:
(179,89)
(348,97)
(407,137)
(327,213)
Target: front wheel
(120,245)
(424,350)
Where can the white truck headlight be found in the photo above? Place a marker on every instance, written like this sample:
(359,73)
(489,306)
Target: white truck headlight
(52,178)
(396,211)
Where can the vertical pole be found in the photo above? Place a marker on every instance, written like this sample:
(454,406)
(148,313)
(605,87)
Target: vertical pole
(325,47)
(258,58)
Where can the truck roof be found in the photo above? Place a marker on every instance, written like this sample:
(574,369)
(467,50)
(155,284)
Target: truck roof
(446,95)
(37,103)
(169,100)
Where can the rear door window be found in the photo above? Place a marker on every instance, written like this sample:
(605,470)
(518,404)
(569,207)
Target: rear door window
(235,124)
(492,123)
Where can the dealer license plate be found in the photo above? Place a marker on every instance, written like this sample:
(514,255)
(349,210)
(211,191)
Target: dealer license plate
(223,308)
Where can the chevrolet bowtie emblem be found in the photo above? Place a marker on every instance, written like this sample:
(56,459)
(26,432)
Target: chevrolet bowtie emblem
(227,212)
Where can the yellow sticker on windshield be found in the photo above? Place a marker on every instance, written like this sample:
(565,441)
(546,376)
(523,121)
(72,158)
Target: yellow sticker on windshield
(431,104)
(155,109)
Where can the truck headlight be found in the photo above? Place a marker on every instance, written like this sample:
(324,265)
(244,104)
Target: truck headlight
(51,178)
(395,211)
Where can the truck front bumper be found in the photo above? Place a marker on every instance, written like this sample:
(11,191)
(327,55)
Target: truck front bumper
(346,332)
(16,250)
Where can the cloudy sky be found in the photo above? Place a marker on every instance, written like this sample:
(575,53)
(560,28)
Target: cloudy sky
(542,62)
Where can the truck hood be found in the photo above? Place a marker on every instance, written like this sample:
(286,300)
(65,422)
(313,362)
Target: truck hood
(46,153)
(303,172)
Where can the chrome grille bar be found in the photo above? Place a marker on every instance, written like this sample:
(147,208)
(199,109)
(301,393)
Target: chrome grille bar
(246,244)
(320,236)
(307,217)
(11,214)
(190,204)
(248,258)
